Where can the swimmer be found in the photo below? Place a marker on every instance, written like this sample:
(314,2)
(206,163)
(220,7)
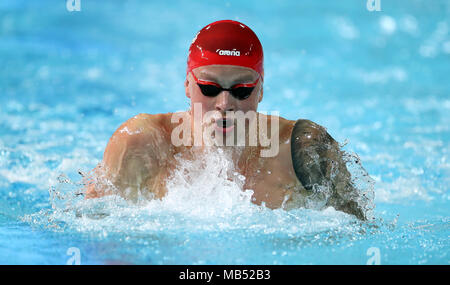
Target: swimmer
(224,75)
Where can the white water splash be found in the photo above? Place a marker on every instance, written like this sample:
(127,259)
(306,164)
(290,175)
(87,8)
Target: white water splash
(208,187)
(206,194)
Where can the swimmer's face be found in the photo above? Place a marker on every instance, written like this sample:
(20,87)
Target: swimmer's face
(226,76)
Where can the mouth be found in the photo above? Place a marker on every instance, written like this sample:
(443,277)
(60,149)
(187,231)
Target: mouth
(224,125)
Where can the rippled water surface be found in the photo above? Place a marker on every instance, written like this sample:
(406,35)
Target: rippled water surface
(377,80)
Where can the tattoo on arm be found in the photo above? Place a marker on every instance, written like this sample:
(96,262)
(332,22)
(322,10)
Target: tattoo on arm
(318,161)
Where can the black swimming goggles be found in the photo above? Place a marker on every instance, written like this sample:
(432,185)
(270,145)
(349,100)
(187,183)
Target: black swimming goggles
(239,91)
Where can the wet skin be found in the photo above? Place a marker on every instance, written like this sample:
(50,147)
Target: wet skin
(139,156)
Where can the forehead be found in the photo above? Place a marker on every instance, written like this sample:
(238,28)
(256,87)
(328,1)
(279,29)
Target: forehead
(226,73)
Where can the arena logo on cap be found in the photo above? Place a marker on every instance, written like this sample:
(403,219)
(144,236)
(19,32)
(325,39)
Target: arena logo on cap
(233,52)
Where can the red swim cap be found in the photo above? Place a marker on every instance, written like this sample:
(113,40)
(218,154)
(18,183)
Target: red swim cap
(226,42)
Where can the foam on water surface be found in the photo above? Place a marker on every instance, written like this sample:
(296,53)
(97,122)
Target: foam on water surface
(205,194)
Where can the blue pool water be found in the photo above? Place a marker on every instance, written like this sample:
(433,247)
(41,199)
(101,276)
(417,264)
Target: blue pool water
(377,80)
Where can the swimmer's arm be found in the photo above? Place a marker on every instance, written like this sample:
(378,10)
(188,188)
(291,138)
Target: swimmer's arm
(317,159)
(130,160)
(94,189)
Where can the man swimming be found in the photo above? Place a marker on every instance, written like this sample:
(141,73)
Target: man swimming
(225,76)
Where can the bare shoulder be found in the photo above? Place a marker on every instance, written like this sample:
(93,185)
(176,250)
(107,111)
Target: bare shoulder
(309,126)
(138,130)
(307,133)
(311,147)
(301,131)
(141,126)
(285,126)
(133,152)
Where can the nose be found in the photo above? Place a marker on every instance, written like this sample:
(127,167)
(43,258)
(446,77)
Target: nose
(224,102)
